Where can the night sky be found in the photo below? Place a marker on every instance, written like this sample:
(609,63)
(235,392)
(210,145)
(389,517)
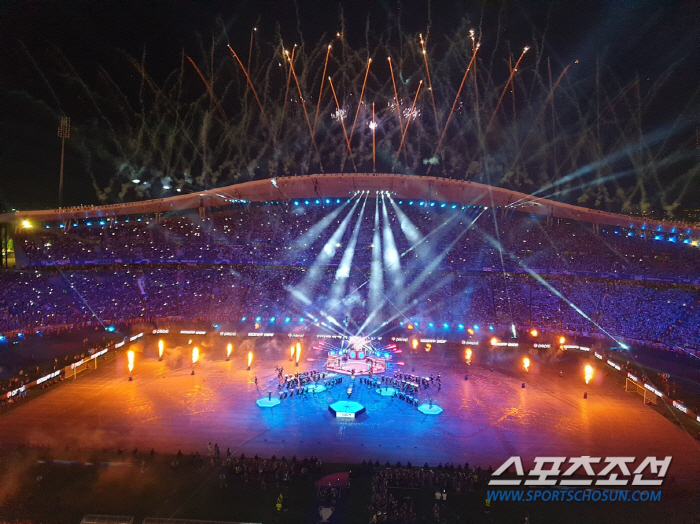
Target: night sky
(55,53)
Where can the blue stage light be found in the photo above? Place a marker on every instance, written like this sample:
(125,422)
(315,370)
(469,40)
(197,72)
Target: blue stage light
(258,319)
(421,203)
(337,201)
(430,324)
(400,201)
(20,335)
(306,202)
(630,234)
(90,223)
(301,320)
(286,320)
(460,326)
(2,338)
(48,226)
(672,239)
(454,206)
(328,201)
(432,204)
(658,237)
(686,241)
(111,329)
(242,319)
(443,204)
(476,327)
(296,202)
(272,320)
(216,326)
(490,328)
(410,202)
(318,201)
(445,325)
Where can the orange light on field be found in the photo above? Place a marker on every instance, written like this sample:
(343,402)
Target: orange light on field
(526,364)
(414,343)
(494,341)
(298,353)
(229,350)
(291,352)
(130,359)
(468,354)
(428,347)
(470,331)
(250,358)
(534,332)
(562,340)
(588,373)
(161,345)
(195,354)
(410,326)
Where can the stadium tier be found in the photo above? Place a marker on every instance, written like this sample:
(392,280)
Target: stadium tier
(371,257)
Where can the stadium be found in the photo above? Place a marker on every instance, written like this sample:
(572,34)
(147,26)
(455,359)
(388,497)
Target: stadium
(399,262)
(484,305)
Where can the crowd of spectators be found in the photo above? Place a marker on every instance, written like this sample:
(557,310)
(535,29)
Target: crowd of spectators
(246,262)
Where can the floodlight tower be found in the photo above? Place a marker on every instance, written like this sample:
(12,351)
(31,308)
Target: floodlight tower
(63,133)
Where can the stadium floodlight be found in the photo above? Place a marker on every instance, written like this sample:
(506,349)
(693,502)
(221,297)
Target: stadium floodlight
(63,133)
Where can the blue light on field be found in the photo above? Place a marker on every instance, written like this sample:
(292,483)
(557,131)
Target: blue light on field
(337,201)
(476,327)
(272,320)
(38,333)
(658,237)
(686,241)
(421,203)
(296,202)
(400,201)
(89,223)
(258,319)
(61,226)
(286,320)
(617,231)
(490,328)
(430,324)
(126,220)
(460,326)
(242,319)
(111,329)
(401,323)
(445,325)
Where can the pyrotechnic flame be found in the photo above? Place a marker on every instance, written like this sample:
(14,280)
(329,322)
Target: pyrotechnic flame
(468,354)
(414,343)
(526,364)
(588,373)
(250,358)
(229,349)
(195,354)
(298,352)
(130,357)
(161,345)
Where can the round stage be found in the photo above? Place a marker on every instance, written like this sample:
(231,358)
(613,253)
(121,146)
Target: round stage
(356,367)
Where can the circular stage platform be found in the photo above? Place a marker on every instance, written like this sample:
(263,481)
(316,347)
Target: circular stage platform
(386,392)
(346,409)
(356,367)
(427,409)
(268,403)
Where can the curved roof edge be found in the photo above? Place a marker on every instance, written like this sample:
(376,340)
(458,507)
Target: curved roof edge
(341,185)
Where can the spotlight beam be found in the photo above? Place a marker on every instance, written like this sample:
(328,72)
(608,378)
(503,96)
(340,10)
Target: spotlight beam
(376,282)
(392,261)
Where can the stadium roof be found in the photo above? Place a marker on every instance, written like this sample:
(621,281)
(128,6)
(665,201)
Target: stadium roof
(342,186)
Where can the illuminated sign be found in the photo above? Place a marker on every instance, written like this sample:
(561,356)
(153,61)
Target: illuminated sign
(433,340)
(296,335)
(654,390)
(48,377)
(399,339)
(157,331)
(680,407)
(227,334)
(131,339)
(470,342)
(598,355)
(611,363)
(78,363)
(632,377)
(573,346)
(192,332)
(505,344)
(342,414)
(261,334)
(120,344)
(98,354)
(543,346)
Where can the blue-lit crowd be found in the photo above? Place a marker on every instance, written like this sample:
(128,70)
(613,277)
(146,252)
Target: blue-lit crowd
(240,265)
